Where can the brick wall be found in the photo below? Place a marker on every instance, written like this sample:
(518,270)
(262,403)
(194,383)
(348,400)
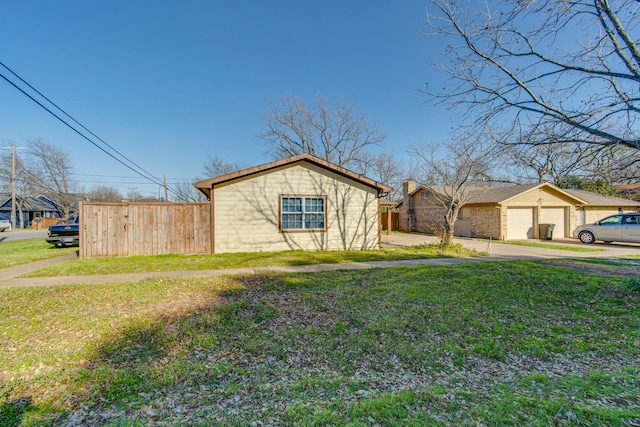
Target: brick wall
(485,222)
(423,219)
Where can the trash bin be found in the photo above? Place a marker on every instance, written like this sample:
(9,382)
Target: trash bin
(546,231)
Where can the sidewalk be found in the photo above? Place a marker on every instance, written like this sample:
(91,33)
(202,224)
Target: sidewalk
(132,277)
(9,277)
(18,270)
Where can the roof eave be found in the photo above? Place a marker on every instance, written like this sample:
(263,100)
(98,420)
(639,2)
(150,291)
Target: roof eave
(544,184)
(206,185)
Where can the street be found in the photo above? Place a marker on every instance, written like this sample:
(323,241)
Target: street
(8,236)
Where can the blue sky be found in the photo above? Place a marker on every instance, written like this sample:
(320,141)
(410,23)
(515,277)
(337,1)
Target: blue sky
(171,83)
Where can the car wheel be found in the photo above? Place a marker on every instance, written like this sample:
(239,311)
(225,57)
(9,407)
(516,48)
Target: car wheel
(587,237)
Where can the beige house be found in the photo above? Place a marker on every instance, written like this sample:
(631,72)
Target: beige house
(510,213)
(301,202)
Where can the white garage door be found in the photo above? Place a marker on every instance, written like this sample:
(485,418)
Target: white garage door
(519,223)
(553,216)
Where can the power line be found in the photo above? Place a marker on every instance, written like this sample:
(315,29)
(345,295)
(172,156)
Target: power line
(131,177)
(141,172)
(75,121)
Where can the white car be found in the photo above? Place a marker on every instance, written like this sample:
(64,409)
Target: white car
(5,223)
(614,228)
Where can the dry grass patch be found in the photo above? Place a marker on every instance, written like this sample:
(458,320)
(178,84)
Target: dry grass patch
(491,344)
(173,262)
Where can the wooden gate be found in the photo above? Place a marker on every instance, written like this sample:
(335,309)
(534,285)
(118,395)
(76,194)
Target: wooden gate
(126,229)
(395,221)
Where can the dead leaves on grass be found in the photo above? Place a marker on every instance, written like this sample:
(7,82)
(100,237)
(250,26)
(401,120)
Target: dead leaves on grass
(275,361)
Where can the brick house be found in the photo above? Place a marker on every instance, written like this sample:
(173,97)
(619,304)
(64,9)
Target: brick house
(509,213)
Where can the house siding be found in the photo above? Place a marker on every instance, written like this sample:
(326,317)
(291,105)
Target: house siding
(247,209)
(593,214)
(544,197)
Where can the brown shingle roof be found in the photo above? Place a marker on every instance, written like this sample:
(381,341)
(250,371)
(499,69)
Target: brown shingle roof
(595,199)
(206,185)
(500,195)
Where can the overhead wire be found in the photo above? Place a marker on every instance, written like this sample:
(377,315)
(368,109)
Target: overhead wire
(131,166)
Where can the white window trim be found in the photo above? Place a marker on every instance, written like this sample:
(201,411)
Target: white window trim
(303,213)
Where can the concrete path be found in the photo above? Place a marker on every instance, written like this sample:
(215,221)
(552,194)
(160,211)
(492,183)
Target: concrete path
(497,252)
(506,251)
(18,270)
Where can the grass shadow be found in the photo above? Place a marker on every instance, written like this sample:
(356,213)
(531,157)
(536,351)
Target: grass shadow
(12,413)
(210,352)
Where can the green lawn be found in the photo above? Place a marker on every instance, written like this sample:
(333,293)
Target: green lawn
(574,248)
(500,343)
(26,251)
(172,262)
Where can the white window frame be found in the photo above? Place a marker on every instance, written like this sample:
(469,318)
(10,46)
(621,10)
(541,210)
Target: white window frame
(307,214)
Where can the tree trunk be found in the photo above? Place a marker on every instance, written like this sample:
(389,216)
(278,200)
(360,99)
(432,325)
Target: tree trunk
(447,236)
(449,225)
(20,215)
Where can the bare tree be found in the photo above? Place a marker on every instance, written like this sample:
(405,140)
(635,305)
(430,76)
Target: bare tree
(333,132)
(185,192)
(454,172)
(548,153)
(543,163)
(555,153)
(617,165)
(24,187)
(134,195)
(384,167)
(104,193)
(217,166)
(525,63)
(49,169)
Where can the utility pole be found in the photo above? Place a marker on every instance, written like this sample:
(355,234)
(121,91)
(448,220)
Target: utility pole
(166,195)
(13,183)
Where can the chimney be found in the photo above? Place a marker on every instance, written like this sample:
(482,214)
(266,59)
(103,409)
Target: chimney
(408,187)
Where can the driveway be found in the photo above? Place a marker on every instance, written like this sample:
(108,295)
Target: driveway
(506,251)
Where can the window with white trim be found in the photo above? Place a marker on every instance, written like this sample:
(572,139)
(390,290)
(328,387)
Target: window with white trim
(302,213)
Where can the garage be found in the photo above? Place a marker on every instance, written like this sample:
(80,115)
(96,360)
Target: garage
(519,223)
(554,216)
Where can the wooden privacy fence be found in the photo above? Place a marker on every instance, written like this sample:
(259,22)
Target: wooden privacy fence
(126,229)
(44,223)
(395,220)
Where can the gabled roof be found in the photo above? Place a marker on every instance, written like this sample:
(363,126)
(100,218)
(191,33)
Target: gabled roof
(444,190)
(596,199)
(206,185)
(36,204)
(501,195)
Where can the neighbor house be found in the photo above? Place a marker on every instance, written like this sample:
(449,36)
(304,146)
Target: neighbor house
(509,213)
(301,202)
(598,206)
(32,208)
